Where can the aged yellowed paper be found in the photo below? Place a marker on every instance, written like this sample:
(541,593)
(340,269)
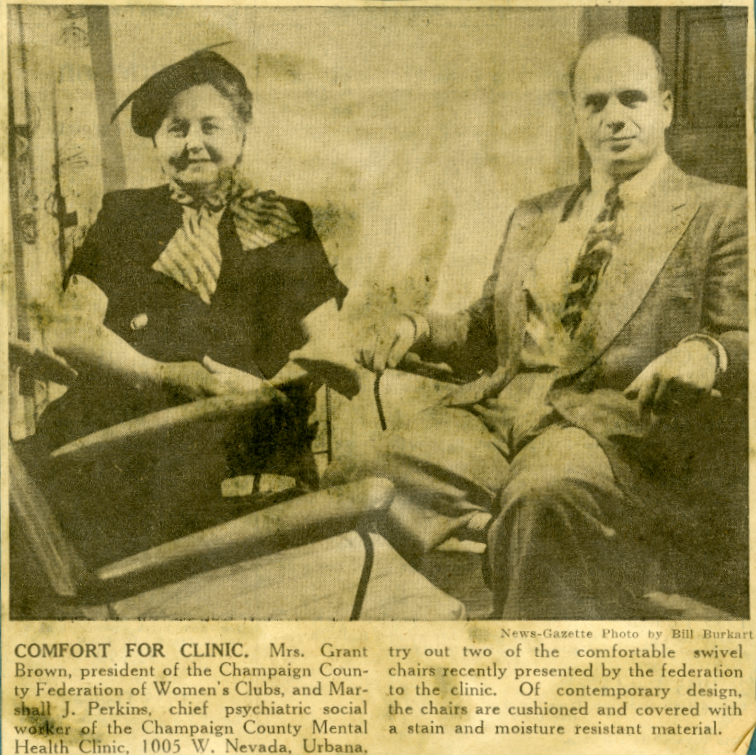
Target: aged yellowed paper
(377,378)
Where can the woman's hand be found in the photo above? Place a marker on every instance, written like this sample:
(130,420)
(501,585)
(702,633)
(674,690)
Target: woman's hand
(190,380)
(194,381)
(229,380)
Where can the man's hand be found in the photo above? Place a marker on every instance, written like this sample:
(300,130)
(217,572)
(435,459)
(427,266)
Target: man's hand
(683,374)
(389,344)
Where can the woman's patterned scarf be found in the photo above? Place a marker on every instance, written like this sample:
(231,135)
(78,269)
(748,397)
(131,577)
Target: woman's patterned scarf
(193,257)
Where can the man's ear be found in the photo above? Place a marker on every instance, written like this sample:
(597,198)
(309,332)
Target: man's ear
(668,104)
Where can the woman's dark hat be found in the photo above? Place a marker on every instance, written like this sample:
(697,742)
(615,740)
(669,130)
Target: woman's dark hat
(150,102)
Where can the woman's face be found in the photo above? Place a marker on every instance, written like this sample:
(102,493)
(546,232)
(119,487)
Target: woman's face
(200,136)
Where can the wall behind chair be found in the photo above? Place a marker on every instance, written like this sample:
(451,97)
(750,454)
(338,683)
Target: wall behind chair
(411,132)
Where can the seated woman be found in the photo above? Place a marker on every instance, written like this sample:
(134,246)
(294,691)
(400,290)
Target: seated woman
(197,288)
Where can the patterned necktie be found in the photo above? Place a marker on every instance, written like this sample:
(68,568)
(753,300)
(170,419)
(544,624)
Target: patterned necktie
(592,262)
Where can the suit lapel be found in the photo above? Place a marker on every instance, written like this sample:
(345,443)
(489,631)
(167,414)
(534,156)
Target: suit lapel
(527,246)
(528,233)
(651,229)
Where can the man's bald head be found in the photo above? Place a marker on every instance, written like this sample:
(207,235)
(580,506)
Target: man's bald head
(618,43)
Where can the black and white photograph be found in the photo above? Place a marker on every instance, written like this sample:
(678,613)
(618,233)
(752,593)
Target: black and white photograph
(378,313)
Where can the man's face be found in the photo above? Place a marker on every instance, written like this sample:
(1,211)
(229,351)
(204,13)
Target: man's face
(621,114)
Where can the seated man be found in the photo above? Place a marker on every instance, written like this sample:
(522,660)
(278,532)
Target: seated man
(616,308)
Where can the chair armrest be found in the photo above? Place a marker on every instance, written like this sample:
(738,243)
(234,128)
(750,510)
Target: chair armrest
(302,520)
(441,372)
(196,423)
(41,365)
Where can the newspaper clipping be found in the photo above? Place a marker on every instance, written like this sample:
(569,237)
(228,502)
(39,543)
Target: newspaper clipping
(377,378)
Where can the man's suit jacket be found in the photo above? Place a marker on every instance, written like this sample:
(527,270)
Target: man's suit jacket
(680,269)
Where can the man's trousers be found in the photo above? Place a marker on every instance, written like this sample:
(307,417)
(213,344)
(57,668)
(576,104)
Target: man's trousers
(548,499)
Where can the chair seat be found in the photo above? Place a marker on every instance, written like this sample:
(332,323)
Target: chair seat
(317,581)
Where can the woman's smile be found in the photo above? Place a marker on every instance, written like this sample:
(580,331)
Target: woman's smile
(200,136)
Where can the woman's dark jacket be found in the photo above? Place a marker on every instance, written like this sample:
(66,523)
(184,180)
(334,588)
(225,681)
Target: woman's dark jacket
(252,323)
